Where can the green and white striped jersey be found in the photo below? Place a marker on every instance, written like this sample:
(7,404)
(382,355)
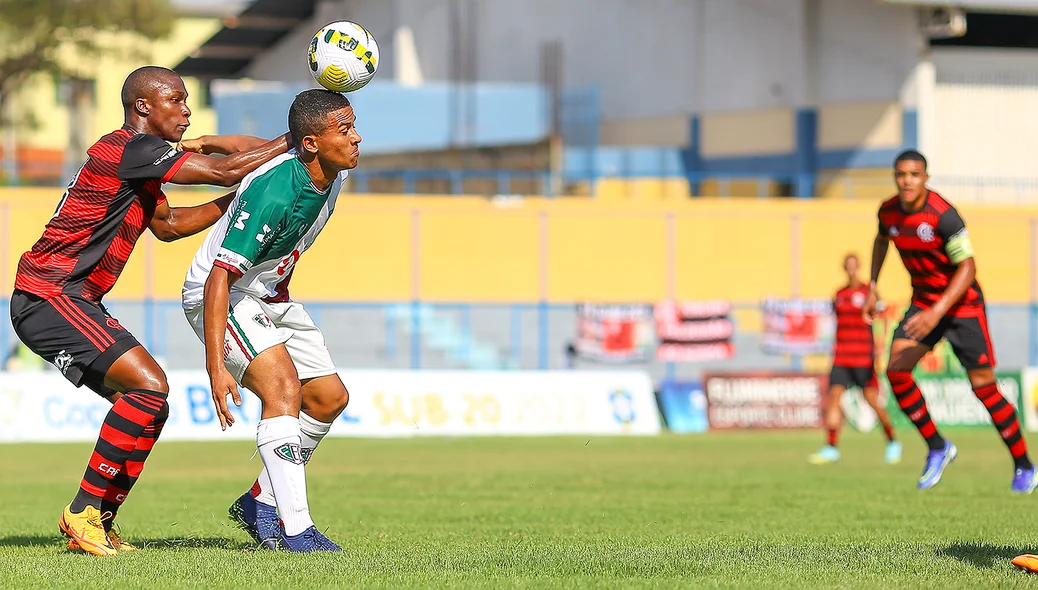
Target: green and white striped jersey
(275,217)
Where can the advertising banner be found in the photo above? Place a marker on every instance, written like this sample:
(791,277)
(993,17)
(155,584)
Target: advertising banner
(951,400)
(764,400)
(694,331)
(615,333)
(684,406)
(1029,398)
(45,407)
(797,326)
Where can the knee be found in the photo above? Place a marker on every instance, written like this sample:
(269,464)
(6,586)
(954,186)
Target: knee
(327,407)
(154,379)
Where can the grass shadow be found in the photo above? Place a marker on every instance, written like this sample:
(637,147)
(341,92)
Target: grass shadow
(31,540)
(983,555)
(160,543)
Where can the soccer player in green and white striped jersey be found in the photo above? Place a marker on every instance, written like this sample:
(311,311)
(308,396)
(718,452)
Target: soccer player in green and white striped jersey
(236,299)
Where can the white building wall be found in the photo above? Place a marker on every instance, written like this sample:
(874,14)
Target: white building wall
(651,58)
(983,126)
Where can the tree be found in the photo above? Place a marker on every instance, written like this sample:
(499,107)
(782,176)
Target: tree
(35,33)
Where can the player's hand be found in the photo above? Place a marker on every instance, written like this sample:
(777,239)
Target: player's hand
(868,310)
(223,384)
(190,145)
(921,324)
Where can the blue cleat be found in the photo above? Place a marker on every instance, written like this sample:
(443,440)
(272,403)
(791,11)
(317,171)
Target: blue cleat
(1025,480)
(308,541)
(256,518)
(893,454)
(936,461)
(828,454)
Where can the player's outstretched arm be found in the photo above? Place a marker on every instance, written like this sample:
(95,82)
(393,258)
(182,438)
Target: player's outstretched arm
(220,144)
(229,170)
(879,254)
(172,223)
(216,300)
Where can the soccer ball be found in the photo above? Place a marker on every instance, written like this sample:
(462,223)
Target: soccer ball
(343,56)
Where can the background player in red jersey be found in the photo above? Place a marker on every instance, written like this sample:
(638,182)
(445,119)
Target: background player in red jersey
(947,302)
(854,365)
(56,307)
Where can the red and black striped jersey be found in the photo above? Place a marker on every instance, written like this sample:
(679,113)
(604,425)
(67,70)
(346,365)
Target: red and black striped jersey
(921,238)
(106,208)
(855,346)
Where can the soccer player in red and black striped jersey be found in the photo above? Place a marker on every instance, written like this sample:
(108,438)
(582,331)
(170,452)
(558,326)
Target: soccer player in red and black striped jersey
(56,306)
(854,365)
(947,302)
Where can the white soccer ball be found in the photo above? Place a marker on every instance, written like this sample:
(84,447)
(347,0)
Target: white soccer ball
(343,56)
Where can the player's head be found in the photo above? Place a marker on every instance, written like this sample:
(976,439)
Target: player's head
(910,175)
(851,264)
(322,125)
(155,100)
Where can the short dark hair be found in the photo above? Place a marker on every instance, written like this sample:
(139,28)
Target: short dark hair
(142,81)
(849,256)
(309,112)
(910,156)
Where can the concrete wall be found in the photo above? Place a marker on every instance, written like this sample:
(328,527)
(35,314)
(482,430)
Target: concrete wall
(566,250)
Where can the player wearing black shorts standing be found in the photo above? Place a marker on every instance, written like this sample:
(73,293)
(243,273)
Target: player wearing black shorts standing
(947,302)
(56,307)
(854,365)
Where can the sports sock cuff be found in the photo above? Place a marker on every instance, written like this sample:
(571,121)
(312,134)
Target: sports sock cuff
(310,426)
(276,429)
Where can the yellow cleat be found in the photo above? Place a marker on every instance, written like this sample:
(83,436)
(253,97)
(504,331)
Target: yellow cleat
(86,531)
(1028,563)
(118,543)
(113,538)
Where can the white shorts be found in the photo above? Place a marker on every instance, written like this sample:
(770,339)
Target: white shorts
(254,326)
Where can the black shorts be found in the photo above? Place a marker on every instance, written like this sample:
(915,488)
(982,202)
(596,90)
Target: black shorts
(968,337)
(848,377)
(77,336)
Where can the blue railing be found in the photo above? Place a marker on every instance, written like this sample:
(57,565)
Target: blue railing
(460,335)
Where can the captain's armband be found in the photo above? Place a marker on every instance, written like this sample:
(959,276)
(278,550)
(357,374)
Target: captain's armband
(959,247)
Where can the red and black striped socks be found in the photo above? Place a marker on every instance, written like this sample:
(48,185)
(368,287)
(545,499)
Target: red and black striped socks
(1004,416)
(911,401)
(121,485)
(120,436)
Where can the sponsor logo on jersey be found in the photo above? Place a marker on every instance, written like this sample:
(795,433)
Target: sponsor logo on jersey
(172,152)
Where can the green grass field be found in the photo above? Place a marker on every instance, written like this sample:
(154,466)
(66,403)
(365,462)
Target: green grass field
(741,509)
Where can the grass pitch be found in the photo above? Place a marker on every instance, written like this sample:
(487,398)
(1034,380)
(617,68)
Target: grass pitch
(739,509)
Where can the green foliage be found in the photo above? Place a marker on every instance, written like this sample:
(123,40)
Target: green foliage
(34,33)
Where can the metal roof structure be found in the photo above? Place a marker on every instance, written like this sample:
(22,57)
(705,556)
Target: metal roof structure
(244,37)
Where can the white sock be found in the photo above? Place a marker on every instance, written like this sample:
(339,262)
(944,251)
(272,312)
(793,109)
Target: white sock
(278,440)
(311,432)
